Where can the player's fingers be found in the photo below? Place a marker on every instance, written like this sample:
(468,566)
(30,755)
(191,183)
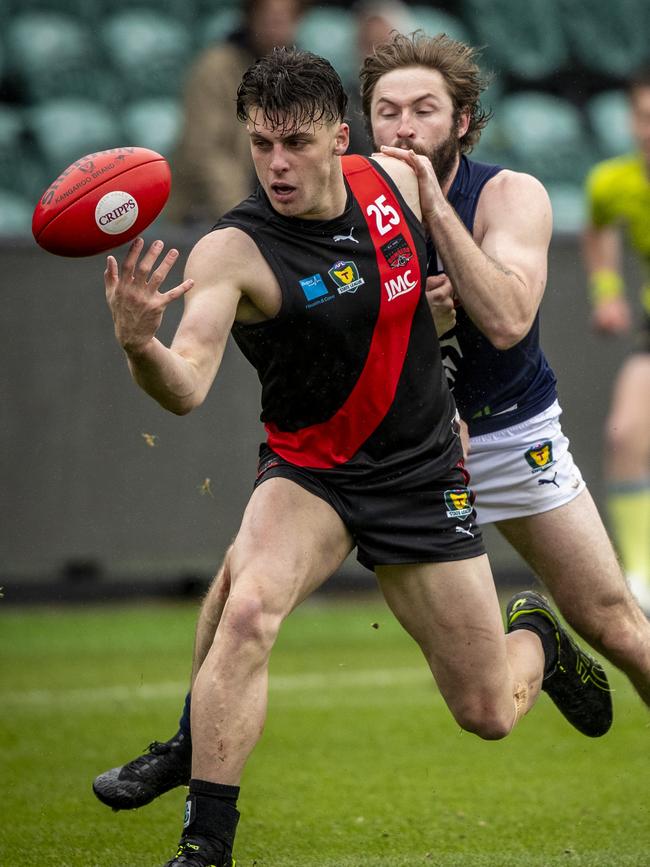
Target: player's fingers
(110,274)
(147,262)
(436,280)
(163,269)
(177,292)
(406,156)
(132,256)
(443,301)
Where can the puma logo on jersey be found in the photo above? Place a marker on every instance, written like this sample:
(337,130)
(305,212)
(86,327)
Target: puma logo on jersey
(346,237)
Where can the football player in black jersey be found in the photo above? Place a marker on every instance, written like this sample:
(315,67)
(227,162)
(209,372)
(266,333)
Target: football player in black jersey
(372,460)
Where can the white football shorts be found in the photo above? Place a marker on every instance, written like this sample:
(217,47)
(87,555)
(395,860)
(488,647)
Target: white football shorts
(523,470)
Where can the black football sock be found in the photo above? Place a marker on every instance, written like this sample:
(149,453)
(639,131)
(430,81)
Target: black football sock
(210,811)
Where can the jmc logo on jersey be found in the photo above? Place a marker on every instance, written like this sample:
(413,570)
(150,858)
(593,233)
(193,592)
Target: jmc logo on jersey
(540,456)
(458,503)
(346,276)
(400,285)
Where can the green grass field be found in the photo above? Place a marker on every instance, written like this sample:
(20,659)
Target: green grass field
(360,763)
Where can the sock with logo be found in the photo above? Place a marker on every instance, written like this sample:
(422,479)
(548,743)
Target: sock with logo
(211,812)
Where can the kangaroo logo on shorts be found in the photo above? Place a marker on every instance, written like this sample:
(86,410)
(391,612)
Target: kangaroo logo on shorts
(540,456)
(458,503)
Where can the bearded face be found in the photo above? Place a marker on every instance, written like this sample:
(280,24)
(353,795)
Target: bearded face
(412,108)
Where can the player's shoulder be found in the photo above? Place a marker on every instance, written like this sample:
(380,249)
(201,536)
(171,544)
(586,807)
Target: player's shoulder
(508,182)
(514,192)
(225,251)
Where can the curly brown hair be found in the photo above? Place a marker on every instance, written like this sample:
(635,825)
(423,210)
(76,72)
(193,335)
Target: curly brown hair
(454,60)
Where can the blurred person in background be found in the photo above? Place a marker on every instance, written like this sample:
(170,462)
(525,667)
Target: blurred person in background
(211,164)
(375,22)
(618,195)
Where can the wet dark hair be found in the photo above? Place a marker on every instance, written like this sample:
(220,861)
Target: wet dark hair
(454,60)
(292,88)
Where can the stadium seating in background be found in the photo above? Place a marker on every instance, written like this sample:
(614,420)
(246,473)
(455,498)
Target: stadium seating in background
(544,135)
(149,51)
(331,32)
(524,40)
(217,25)
(434,21)
(152,123)
(569,207)
(184,10)
(609,117)
(15,214)
(51,54)
(609,37)
(67,129)
(21,172)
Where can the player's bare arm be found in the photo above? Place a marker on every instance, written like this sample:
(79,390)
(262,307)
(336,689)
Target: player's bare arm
(179,377)
(500,274)
(513,228)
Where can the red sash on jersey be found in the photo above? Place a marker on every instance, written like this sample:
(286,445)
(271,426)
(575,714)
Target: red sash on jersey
(338,439)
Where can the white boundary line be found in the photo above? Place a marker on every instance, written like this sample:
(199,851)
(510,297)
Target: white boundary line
(313,681)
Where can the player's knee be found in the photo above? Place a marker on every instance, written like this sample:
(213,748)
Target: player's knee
(486,718)
(248,622)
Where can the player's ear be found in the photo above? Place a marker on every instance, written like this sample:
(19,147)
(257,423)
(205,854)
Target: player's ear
(342,139)
(463,122)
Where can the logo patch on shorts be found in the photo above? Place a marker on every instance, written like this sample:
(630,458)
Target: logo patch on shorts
(458,503)
(540,456)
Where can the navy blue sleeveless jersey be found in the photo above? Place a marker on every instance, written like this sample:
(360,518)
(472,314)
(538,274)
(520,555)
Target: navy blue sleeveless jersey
(493,388)
(350,369)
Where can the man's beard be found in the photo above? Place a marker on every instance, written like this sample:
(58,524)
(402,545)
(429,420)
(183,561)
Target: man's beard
(443,157)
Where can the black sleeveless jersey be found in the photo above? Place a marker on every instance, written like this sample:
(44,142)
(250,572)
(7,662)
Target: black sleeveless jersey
(493,388)
(350,368)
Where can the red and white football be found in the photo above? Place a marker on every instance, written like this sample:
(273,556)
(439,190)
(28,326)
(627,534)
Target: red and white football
(101,201)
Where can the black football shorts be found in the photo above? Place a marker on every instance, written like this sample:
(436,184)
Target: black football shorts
(414,516)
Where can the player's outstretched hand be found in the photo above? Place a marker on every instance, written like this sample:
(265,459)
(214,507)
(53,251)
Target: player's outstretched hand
(132,293)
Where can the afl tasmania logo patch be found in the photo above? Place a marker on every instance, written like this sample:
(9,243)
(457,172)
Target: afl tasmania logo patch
(397,252)
(540,456)
(458,502)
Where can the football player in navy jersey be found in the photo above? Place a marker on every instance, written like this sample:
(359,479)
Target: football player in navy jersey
(489,234)
(320,277)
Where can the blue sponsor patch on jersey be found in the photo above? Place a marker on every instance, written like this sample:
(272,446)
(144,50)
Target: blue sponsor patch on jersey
(313,287)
